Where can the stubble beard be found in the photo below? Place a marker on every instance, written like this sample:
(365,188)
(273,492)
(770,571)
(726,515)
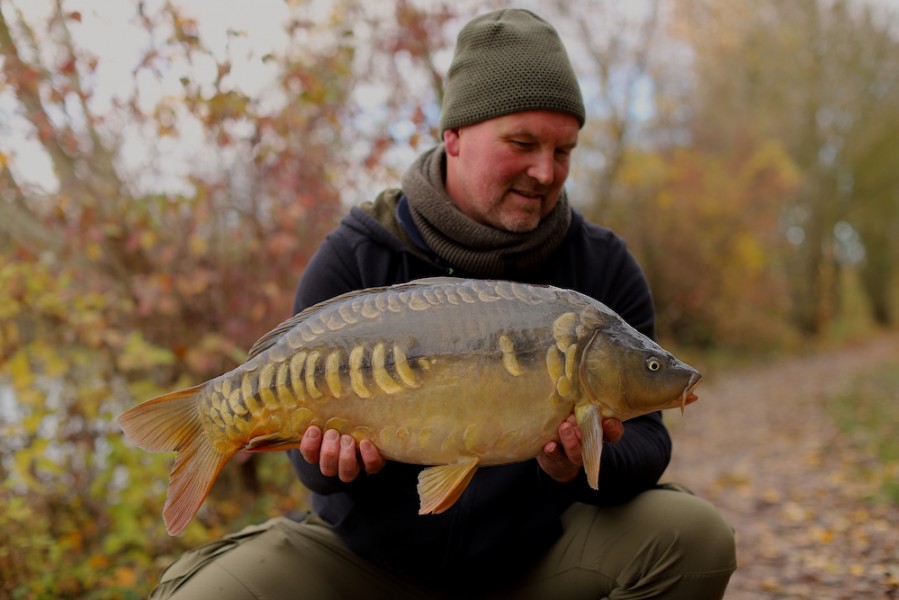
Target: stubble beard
(511,218)
(519,223)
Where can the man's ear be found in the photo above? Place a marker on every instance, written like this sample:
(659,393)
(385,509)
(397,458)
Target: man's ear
(451,141)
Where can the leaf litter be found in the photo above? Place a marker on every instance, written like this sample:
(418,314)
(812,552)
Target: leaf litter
(806,500)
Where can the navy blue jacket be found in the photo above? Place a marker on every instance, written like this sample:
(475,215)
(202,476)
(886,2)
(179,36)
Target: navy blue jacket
(509,515)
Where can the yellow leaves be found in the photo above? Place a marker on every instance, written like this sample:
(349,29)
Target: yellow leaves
(891,576)
(186,28)
(19,370)
(25,470)
(73,540)
(98,561)
(149,238)
(665,200)
(138,354)
(822,535)
(794,512)
(705,226)
(29,368)
(198,246)
(126,577)
(226,105)
(771,168)
(749,252)
(165,116)
(31,422)
(12,275)
(643,170)
(206,355)
(93,250)
(197,284)
(51,360)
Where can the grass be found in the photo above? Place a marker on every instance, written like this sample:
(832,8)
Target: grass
(867,413)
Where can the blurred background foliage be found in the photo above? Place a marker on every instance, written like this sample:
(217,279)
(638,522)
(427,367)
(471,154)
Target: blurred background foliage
(747,150)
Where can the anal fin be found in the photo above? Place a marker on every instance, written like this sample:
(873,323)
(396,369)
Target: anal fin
(439,487)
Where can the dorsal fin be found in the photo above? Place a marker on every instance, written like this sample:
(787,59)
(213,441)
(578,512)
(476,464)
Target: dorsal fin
(432,281)
(271,338)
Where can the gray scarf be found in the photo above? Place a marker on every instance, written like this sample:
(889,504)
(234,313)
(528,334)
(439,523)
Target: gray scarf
(478,249)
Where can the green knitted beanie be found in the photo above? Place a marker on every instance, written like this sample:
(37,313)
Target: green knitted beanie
(508,61)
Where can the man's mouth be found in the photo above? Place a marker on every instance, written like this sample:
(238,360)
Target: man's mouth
(532,195)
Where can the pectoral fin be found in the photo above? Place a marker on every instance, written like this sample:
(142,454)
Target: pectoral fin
(590,421)
(272,443)
(439,487)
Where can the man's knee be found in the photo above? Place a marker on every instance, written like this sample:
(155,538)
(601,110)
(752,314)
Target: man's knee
(275,560)
(266,560)
(704,542)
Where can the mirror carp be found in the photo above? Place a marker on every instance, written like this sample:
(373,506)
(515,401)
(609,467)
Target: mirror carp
(449,373)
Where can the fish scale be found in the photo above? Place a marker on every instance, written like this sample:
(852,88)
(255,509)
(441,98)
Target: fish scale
(452,374)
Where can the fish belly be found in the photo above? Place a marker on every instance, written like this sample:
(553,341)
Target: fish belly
(465,408)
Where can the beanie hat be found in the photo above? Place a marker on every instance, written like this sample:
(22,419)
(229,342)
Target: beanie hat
(508,61)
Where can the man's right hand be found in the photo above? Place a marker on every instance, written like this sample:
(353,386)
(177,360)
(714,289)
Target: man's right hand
(340,455)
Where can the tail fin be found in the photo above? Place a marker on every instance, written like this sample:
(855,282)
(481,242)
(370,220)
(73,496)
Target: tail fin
(171,423)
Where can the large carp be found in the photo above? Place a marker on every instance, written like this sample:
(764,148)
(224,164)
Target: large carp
(444,372)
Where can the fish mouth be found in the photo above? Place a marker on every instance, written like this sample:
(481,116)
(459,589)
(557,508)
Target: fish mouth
(688,396)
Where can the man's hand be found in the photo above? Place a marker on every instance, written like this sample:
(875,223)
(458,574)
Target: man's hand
(339,454)
(562,460)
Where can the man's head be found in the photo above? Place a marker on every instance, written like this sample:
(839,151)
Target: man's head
(512,110)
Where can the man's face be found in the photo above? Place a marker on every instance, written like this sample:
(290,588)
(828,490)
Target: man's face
(508,172)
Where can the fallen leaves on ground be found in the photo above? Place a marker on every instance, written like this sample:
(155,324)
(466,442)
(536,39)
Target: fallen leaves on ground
(805,499)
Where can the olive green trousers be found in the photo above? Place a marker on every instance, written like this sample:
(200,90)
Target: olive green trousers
(662,544)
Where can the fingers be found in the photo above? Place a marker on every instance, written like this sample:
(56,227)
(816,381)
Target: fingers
(329,456)
(612,430)
(337,454)
(570,437)
(371,457)
(556,464)
(347,464)
(310,445)
(562,460)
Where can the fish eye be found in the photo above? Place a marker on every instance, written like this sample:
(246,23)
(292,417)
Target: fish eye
(653,364)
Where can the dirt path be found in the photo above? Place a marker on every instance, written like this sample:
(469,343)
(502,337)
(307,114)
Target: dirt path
(762,448)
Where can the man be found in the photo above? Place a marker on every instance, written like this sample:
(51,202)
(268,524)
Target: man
(487,203)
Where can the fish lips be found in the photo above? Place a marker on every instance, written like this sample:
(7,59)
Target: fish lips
(688,396)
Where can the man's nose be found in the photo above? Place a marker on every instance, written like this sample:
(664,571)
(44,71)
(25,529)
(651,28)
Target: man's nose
(542,169)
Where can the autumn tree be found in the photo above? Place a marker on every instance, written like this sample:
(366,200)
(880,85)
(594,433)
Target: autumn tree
(818,77)
(116,285)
